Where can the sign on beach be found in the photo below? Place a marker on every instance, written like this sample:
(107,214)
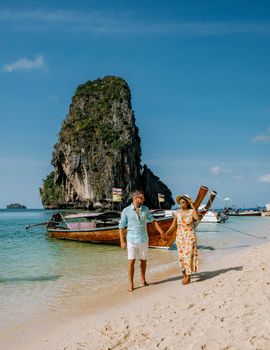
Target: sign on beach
(161,197)
(117,194)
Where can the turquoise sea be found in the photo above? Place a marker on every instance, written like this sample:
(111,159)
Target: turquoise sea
(43,277)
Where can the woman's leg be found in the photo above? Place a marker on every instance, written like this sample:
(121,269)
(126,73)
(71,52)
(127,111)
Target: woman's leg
(180,248)
(191,256)
(188,254)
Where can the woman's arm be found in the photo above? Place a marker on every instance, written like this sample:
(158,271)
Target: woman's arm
(194,213)
(171,228)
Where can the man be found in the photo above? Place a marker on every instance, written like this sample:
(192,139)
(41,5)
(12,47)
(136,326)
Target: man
(135,217)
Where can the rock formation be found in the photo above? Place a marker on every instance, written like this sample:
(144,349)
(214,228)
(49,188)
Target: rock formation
(152,186)
(98,149)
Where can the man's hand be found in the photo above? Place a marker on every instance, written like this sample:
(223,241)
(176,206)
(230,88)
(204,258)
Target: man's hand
(163,235)
(123,241)
(159,229)
(123,245)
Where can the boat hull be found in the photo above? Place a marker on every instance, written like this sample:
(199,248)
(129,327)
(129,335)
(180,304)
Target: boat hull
(110,235)
(245,214)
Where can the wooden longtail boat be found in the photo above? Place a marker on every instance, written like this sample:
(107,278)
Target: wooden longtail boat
(103,227)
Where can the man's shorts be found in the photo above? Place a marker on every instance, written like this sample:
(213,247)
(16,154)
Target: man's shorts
(138,250)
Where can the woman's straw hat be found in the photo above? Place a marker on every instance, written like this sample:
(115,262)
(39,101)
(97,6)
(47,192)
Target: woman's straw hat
(184,196)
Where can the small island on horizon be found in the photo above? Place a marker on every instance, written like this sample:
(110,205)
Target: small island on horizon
(16,206)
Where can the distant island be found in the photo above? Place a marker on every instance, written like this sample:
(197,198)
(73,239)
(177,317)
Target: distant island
(16,206)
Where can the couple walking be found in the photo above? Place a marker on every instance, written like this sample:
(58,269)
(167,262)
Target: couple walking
(135,218)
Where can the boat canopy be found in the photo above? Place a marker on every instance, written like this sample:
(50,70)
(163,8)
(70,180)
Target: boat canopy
(82,215)
(106,214)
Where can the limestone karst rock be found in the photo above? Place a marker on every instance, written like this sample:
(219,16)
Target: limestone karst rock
(152,186)
(98,149)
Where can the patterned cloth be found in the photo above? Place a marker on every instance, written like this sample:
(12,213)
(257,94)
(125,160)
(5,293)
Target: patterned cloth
(186,242)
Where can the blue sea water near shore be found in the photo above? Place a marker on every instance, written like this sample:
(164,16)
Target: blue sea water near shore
(40,276)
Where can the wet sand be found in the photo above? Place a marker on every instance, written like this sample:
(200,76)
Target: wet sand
(225,307)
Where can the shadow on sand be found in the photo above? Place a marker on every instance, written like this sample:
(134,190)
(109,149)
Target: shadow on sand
(202,276)
(206,275)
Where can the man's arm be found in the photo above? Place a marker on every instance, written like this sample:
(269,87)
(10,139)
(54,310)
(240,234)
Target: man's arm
(172,227)
(158,228)
(122,224)
(123,241)
(151,219)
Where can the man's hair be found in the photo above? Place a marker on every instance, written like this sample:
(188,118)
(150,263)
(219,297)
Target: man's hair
(135,193)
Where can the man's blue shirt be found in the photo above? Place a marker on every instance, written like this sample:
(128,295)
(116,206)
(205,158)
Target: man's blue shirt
(136,226)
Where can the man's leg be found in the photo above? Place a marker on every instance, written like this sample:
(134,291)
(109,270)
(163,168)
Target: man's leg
(143,271)
(131,264)
(131,248)
(143,250)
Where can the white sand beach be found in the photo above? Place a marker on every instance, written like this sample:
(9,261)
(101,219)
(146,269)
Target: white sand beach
(225,307)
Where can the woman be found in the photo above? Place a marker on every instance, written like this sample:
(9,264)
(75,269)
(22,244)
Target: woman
(185,236)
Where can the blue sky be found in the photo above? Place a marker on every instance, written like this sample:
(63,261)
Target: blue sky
(199,76)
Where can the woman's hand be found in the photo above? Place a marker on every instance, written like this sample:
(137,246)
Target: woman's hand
(159,229)
(191,203)
(195,213)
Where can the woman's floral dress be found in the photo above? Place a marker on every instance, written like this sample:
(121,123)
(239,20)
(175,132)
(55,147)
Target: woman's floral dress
(186,242)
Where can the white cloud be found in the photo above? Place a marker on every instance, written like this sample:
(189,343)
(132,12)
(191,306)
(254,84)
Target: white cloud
(262,138)
(264,178)
(25,64)
(112,22)
(216,170)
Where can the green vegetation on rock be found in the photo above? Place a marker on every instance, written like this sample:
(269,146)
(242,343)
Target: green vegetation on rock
(16,206)
(51,193)
(99,148)
(91,113)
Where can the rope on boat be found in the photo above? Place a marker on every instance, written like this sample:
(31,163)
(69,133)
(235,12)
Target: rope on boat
(233,229)
(244,233)
(41,223)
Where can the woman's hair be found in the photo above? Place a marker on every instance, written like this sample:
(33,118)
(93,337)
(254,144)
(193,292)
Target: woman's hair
(188,205)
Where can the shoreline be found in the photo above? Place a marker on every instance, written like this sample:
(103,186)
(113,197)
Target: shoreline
(222,297)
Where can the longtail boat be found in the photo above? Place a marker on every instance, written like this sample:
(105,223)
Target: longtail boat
(103,227)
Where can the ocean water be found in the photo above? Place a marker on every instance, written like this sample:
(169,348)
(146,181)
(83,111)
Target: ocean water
(42,277)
